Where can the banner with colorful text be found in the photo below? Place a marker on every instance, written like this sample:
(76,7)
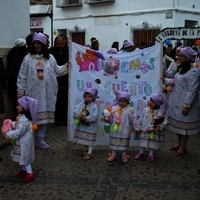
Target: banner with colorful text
(137,72)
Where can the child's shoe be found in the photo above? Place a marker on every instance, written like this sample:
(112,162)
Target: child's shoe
(151,158)
(88,156)
(111,158)
(29,177)
(124,159)
(21,174)
(138,156)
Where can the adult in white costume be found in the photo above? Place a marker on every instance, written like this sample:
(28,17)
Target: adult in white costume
(183,112)
(37,78)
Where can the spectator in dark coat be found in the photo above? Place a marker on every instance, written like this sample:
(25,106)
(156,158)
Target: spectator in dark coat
(60,52)
(3,85)
(29,39)
(14,60)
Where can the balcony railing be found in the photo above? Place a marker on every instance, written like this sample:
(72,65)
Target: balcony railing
(41,2)
(68,3)
(97,1)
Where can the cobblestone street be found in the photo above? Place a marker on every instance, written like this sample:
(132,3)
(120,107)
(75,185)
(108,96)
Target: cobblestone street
(61,174)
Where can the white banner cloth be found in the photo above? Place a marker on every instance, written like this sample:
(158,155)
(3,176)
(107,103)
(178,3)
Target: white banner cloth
(137,72)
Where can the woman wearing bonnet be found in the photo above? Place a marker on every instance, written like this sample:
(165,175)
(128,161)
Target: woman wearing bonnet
(183,112)
(38,79)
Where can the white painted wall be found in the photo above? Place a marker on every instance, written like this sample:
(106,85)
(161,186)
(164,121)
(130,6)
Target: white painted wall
(14,21)
(39,8)
(124,6)
(46,24)
(113,21)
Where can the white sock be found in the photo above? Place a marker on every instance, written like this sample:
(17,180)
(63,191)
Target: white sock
(90,149)
(28,169)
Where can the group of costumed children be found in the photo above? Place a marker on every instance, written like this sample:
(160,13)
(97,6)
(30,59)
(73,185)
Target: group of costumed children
(122,121)
(150,127)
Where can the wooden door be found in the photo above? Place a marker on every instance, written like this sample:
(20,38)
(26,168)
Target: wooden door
(78,37)
(144,35)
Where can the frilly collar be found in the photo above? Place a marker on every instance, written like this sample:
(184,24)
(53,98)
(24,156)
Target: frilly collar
(37,56)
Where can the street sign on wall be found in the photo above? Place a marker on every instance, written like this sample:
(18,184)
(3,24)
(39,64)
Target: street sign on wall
(35,23)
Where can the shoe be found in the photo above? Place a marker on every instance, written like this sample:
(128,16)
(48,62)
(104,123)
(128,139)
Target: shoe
(21,174)
(88,156)
(151,158)
(174,148)
(124,159)
(177,153)
(41,143)
(138,156)
(111,158)
(28,178)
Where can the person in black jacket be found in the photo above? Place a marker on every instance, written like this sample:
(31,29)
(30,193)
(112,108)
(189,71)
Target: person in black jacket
(60,53)
(14,60)
(3,86)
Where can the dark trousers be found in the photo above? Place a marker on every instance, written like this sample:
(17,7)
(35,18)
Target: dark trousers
(62,100)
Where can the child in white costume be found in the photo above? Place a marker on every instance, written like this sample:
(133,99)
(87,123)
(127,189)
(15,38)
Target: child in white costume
(23,150)
(125,120)
(86,117)
(153,122)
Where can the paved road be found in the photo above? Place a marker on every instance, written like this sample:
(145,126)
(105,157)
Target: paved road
(61,174)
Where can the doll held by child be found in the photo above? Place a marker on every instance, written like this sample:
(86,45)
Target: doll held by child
(7,126)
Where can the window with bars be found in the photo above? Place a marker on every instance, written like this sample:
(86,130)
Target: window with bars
(147,35)
(78,37)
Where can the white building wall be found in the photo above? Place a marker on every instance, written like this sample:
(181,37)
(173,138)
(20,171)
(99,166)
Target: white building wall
(124,7)
(14,21)
(40,22)
(111,22)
